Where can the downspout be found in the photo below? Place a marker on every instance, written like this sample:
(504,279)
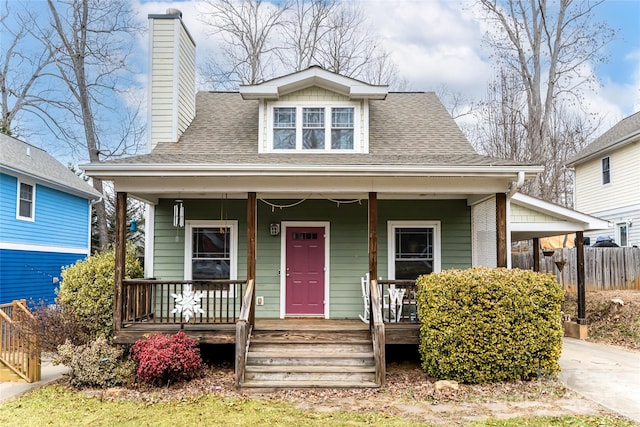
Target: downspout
(513,189)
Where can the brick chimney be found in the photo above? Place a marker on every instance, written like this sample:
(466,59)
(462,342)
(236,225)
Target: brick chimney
(172,78)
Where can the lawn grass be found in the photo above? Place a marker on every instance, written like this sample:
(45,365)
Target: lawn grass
(58,406)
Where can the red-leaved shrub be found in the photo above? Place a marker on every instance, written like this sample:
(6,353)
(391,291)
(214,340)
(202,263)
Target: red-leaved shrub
(162,359)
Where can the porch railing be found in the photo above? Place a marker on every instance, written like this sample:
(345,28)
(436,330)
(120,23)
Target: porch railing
(403,309)
(376,325)
(154,301)
(19,349)
(243,333)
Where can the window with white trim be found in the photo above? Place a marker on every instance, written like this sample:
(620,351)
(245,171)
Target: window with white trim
(26,201)
(313,127)
(211,250)
(606,170)
(414,249)
(622,234)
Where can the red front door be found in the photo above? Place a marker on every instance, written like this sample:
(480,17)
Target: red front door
(305,271)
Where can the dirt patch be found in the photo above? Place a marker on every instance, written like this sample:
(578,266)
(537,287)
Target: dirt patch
(409,393)
(610,323)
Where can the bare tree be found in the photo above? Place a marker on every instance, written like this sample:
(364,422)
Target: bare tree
(307,25)
(90,47)
(348,47)
(545,43)
(247,28)
(21,69)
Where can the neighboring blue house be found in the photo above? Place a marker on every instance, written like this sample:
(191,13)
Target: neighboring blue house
(45,213)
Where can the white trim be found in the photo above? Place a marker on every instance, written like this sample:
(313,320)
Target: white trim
(391,243)
(283,262)
(233,250)
(12,246)
(586,222)
(624,210)
(562,227)
(365,121)
(327,105)
(89,228)
(149,241)
(616,229)
(31,183)
(150,85)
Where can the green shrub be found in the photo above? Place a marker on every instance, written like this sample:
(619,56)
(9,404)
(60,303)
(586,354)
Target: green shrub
(96,364)
(87,289)
(489,325)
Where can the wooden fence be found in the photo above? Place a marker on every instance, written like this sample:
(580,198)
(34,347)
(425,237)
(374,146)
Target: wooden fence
(604,268)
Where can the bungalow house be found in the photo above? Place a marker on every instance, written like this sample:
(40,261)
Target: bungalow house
(606,177)
(269,207)
(45,221)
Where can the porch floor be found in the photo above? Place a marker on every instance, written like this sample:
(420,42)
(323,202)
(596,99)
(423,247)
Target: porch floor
(395,333)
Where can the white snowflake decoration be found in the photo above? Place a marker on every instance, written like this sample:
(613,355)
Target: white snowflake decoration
(188,304)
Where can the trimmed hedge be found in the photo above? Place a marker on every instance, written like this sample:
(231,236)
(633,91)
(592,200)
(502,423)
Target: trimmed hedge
(485,325)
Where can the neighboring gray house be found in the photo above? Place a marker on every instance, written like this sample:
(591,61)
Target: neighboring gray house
(608,178)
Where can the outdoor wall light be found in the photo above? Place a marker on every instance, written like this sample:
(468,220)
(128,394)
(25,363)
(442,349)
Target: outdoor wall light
(274,229)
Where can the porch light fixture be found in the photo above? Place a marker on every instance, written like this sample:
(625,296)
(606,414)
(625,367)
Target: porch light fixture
(178,214)
(274,229)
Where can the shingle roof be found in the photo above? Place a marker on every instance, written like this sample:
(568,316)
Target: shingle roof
(41,165)
(405,129)
(620,133)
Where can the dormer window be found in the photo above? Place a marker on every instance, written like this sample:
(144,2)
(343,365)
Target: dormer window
(313,128)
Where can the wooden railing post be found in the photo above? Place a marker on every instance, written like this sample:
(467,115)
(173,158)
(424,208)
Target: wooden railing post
(121,250)
(251,249)
(501,229)
(373,246)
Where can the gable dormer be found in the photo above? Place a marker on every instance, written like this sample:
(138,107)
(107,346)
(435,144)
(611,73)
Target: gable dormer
(313,111)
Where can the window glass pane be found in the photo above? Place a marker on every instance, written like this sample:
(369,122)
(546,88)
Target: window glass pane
(284,117)
(342,117)
(413,252)
(284,139)
(25,209)
(342,139)
(211,253)
(313,117)
(342,128)
(313,138)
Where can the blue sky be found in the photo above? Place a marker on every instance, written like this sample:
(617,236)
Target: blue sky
(436,43)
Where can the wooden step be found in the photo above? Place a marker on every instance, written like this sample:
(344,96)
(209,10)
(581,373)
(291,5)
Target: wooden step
(276,385)
(308,359)
(297,347)
(7,375)
(311,336)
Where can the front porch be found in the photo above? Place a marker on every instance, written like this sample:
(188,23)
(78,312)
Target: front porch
(147,308)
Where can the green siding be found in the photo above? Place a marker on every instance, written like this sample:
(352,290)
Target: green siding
(348,239)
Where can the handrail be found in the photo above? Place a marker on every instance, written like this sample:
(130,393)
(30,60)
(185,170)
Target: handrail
(243,333)
(19,348)
(377,332)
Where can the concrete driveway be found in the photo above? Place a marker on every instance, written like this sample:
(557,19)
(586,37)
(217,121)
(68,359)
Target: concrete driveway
(606,375)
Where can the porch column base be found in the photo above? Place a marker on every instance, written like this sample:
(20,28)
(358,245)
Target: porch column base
(575,330)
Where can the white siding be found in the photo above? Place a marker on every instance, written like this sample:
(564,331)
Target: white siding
(623,190)
(483,233)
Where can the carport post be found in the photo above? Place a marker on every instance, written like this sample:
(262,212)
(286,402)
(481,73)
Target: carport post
(582,318)
(536,254)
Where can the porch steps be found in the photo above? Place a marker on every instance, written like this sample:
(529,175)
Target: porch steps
(309,359)
(7,375)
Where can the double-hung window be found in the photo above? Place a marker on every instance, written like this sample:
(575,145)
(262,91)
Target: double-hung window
(606,170)
(305,128)
(414,249)
(211,250)
(26,201)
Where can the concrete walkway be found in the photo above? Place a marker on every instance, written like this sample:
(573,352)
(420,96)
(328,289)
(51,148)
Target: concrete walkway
(607,375)
(49,373)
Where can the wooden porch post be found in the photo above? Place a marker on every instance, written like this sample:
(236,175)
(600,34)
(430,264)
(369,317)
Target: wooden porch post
(121,251)
(501,229)
(373,236)
(251,250)
(582,318)
(536,254)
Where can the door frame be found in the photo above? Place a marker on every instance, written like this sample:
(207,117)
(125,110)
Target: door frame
(283,262)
